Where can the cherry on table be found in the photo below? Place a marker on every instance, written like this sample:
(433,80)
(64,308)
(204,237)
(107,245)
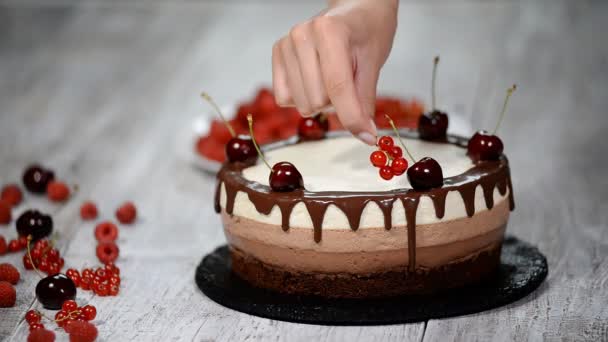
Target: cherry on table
(54,290)
(313,128)
(433,125)
(484,146)
(34,223)
(425,174)
(36,178)
(241,149)
(284,177)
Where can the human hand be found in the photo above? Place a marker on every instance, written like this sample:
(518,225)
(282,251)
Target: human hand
(335,58)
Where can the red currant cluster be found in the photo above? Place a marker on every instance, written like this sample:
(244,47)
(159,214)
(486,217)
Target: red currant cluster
(43,257)
(103,281)
(389,158)
(73,319)
(14,245)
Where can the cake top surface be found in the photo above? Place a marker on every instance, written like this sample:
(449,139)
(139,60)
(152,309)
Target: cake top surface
(342,164)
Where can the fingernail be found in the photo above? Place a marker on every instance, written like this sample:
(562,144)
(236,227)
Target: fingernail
(367,138)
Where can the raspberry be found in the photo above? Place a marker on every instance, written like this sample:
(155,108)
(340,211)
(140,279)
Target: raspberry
(41,335)
(57,191)
(8,296)
(11,194)
(3,246)
(126,213)
(81,331)
(106,231)
(107,252)
(88,211)
(9,273)
(5,212)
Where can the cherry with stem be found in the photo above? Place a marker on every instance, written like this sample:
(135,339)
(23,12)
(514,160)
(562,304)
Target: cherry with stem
(434,124)
(284,177)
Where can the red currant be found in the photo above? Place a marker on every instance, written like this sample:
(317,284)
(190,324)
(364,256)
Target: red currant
(32,317)
(101,289)
(27,262)
(69,305)
(112,268)
(101,273)
(36,326)
(14,246)
(386,173)
(396,152)
(89,312)
(61,317)
(88,272)
(378,158)
(399,165)
(386,143)
(113,290)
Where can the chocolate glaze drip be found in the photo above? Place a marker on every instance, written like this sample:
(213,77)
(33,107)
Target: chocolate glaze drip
(489,175)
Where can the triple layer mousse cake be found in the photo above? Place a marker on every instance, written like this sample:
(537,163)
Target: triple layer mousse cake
(352,234)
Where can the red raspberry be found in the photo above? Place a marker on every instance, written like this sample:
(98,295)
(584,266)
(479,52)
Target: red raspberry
(107,252)
(57,191)
(88,211)
(11,194)
(41,335)
(5,212)
(9,273)
(81,331)
(8,296)
(3,246)
(126,213)
(106,231)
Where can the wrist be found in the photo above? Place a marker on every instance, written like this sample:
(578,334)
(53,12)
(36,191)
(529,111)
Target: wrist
(391,3)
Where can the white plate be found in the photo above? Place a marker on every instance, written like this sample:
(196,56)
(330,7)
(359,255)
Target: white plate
(188,136)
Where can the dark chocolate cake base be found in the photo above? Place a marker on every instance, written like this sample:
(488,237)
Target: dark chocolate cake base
(393,282)
(522,269)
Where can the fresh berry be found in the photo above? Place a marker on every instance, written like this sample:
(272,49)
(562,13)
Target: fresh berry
(22,242)
(57,191)
(61,317)
(106,231)
(111,268)
(241,149)
(386,173)
(8,295)
(396,152)
(9,273)
(433,125)
(398,166)
(41,335)
(313,128)
(69,305)
(425,174)
(14,245)
(5,212)
(89,312)
(101,289)
(107,252)
(81,331)
(3,245)
(284,177)
(74,275)
(484,146)
(88,211)
(36,326)
(378,158)
(386,143)
(11,194)
(27,262)
(126,213)
(53,290)
(36,178)
(113,290)
(32,317)
(34,223)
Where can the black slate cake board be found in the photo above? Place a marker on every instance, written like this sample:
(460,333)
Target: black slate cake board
(523,268)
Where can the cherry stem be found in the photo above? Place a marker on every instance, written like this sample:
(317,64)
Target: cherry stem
(390,121)
(208,98)
(504,106)
(257,148)
(435,62)
(29,255)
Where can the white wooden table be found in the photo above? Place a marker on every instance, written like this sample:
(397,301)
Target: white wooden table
(99,90)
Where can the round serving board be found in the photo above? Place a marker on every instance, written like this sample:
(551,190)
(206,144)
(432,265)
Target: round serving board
(523,268)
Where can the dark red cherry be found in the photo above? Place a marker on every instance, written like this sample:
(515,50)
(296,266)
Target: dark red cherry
(34,223)
(484,146)
(53,290)
(285,177)
(241,149)
(433,125)
(425,174)
(36,178)
(313,128)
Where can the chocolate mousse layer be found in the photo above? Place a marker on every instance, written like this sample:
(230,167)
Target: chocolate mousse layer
(398,281)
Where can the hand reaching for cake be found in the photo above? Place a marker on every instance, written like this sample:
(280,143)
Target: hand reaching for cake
(335,58)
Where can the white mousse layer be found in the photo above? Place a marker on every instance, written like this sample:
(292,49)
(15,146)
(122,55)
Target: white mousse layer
(342,164)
